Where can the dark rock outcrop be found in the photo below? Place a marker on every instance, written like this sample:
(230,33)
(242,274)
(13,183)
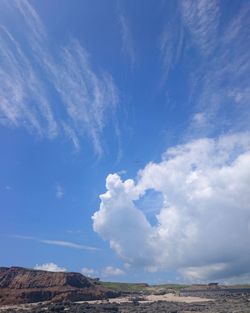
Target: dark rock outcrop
(20,285)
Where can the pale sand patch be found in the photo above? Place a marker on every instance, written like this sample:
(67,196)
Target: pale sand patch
(175,298)
(170,297)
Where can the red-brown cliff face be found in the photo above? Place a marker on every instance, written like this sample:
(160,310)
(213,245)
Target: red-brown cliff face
(20,285)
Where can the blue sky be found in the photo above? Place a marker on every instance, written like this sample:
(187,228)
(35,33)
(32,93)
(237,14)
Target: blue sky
(144,103)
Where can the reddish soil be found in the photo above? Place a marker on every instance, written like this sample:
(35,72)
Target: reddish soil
(19,285)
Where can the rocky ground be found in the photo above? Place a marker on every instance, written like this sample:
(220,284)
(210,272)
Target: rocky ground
(61,292)
(223,304)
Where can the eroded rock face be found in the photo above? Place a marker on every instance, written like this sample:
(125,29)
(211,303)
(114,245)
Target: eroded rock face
(20,285)
(21,278)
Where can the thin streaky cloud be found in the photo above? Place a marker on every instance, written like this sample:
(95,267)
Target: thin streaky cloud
(23,237)
(223,85)
(62,243)
(170,49)
(171,43)
(87,99)
(202,20)
(127,39)
(218,81)
(14,72)
(71,135)
(68,244)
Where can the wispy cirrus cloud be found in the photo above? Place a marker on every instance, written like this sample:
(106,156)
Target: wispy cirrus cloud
(62,243)
(23,99)
(49,88)
(221,83)
(127,39)
(213,47)
(171,42)
(202,21)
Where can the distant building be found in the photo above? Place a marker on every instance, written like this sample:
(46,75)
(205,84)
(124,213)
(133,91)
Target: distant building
(212,285)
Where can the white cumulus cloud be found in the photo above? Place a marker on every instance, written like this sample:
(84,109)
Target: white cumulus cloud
(89,272)
(202,228)
(59,192)
(50,267)
(112,271)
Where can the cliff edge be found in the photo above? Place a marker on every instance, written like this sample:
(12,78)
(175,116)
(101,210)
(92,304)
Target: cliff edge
(20,285)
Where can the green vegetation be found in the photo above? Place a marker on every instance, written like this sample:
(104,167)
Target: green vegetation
(175,287)
(125,287)
(140,287)
(239,286)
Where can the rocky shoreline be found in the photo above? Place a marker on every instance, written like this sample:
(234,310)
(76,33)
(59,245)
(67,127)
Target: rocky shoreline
(75,293)
(231,304)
